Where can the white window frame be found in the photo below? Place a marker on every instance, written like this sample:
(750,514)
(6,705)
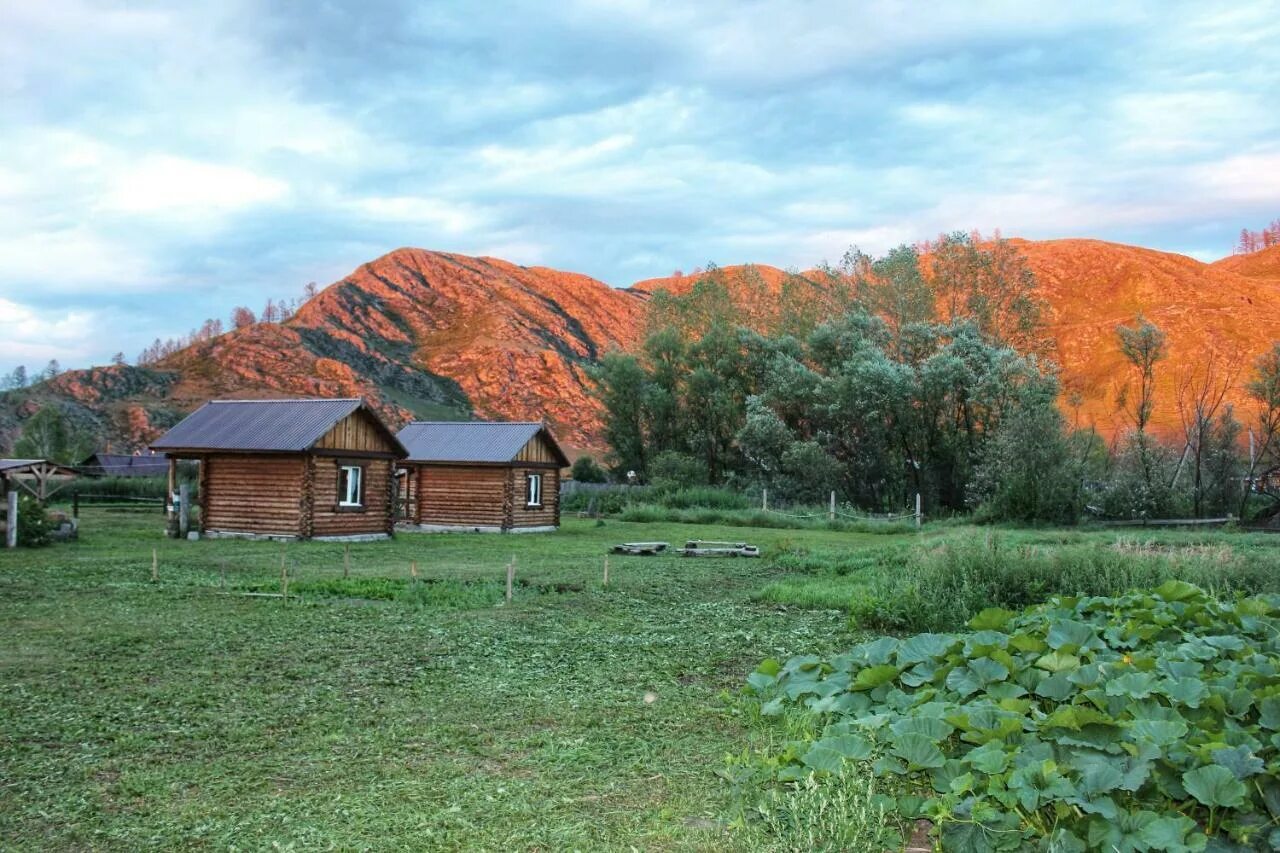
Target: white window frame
(355,478)
(533,489)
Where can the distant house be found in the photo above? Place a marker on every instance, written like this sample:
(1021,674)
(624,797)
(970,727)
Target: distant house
(480,476)
(302,469)
(149,464)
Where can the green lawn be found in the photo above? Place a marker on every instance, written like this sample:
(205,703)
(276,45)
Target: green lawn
(182,713)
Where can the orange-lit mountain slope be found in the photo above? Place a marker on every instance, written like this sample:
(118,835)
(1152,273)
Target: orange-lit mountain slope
(1205,310)
(433,334)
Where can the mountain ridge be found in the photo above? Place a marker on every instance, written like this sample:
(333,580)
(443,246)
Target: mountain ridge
(423,333)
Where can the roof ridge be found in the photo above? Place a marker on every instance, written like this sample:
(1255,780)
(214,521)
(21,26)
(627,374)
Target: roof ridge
(480,423)
(295,400)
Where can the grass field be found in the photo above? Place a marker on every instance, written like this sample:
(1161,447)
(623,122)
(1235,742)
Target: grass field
(383,712)
(361,714)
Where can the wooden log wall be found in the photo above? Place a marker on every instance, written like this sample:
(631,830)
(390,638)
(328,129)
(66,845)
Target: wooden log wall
(523,515)
(357,432)
(252,493)
(375,516)
(461,496)
(538,452)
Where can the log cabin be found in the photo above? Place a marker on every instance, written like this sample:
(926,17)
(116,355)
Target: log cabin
(481,477)
(289,469)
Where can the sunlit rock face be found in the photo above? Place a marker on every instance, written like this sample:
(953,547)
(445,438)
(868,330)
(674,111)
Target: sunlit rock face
(435,335)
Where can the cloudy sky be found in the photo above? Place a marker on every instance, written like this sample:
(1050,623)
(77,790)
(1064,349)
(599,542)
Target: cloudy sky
(163,162)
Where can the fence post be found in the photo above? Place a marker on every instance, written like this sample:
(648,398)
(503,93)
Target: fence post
(917,510)
(606,570)
(11,530)
(764,500)
(184,510)
(75,504)
(511,576)
(346,560)
(831,511)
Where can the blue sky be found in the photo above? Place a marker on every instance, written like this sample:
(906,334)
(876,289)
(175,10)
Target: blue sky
(163,162)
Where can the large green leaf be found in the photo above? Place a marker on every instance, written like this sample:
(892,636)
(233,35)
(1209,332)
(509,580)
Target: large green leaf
(918,751)
(1169,832)
(855,747)
(1214,785)
(924,647)
(990,758)
(1159,732)
(988,670)
(991,619)
(1070,635)
(1240,760)
(934,728)
(1175,590)
(873,676)
(1269,713)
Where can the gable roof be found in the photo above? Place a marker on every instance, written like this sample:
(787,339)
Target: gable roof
(283,426)
(473,441)
(126,464)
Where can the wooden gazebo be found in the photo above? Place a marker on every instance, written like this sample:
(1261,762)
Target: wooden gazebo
(38,477)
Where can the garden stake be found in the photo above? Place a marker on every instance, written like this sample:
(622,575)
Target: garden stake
(284,578)
(222,574)
(511,576)
(413,570)
(346,561)
(155,567)
(606,570)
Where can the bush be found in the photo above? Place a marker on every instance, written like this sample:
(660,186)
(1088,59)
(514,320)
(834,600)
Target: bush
(585,470)
(941,588)
(1142,722)
(703,497)
(34,528)
(672,470)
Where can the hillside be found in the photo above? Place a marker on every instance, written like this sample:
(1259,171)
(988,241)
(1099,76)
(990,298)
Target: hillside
(433,334)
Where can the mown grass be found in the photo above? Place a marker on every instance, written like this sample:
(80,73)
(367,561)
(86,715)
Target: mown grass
(377,711)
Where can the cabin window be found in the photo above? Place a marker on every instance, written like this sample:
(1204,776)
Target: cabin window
(533,490)
(350,485)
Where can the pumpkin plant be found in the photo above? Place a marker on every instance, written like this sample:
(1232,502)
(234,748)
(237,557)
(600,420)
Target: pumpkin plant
(1149,721)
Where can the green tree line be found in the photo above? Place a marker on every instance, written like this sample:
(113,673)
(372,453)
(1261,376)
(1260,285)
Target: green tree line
(926,370)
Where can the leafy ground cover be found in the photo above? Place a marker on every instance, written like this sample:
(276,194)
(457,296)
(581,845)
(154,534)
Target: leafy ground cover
(1149,721)
(376,711)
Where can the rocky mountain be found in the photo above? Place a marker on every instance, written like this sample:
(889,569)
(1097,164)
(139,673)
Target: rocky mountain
(439,335)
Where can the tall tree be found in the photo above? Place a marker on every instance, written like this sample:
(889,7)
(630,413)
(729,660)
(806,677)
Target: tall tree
(1264,438)
(1143,346)
(1201,392)
(47,435)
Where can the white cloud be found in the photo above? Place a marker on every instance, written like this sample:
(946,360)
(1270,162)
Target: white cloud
(33,337)
(69,261)
(447,216)
(164,184)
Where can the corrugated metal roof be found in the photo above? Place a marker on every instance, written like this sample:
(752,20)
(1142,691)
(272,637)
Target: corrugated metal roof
(10,464)
(470,441)
(126,465)
(288,426)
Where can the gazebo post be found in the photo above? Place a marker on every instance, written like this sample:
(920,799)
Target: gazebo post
(171,517)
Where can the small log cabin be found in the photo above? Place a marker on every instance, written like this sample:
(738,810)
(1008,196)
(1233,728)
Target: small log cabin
(289,469)
(482,477)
